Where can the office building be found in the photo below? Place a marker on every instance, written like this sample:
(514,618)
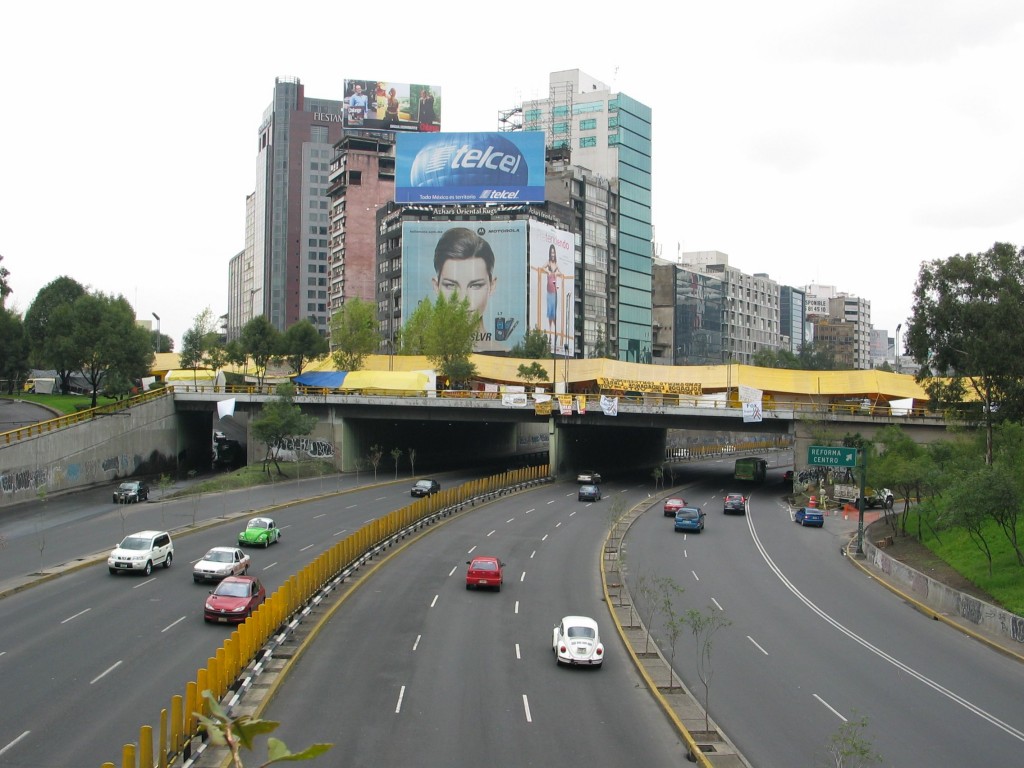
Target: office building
(283,271)
(609,135)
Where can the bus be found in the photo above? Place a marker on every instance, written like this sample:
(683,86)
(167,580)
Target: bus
(751,468)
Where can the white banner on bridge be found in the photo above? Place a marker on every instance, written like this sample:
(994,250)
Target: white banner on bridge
(752,412)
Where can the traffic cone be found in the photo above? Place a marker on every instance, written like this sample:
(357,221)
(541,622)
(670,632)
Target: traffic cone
(812,502)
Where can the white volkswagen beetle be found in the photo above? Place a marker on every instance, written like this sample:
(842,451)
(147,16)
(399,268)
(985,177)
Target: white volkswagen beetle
(576,641)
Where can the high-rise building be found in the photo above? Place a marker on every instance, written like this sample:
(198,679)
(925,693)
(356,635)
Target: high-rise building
(750,310)
(284,274)
(792,318)
(688,311)
(609,134)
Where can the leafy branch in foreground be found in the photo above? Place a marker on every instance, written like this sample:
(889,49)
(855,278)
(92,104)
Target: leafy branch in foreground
(239,732)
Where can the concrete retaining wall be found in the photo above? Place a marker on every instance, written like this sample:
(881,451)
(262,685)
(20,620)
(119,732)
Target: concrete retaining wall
(946,600)
(140,439)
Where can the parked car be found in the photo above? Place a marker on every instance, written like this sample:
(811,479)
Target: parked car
(425,488)
(130,492)
(673,505)
(141,551)
(588,477)
(577,642)
(787,476)
(219,563)
(735,502)
(589,493)
(485,572)
(809,516)
(690,519)
(259,532)
(234,600)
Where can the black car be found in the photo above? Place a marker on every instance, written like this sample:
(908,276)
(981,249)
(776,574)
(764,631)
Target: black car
(589,493)
(134,490)
(425,488)
(734,502)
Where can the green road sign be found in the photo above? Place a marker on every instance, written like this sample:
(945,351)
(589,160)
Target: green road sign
(824,455)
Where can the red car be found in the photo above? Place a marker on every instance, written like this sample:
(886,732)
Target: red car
(673,505)
(485,572)
(234,600)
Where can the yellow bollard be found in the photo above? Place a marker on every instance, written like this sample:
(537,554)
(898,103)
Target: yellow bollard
(146,746)
(128,756)
(177,724)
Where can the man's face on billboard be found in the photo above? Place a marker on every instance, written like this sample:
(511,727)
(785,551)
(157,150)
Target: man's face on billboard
(469,279)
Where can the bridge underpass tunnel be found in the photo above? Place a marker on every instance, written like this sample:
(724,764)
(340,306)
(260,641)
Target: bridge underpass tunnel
(439,444)
(607,449)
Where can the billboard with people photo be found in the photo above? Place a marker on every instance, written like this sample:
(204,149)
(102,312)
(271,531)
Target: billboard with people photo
(379,105)
(481,261)
(551,286)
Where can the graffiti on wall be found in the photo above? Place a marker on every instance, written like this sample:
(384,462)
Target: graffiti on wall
(291,448)
(59,476)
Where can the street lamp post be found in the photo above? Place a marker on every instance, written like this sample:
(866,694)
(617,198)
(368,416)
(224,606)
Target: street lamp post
(898,327)
(159,342)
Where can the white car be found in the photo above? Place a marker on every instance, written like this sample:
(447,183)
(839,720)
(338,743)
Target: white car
(141,551)
(588,477)
(576,641)
(219,563)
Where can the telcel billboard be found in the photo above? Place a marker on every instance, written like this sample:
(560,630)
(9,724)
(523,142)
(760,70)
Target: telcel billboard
(447,168)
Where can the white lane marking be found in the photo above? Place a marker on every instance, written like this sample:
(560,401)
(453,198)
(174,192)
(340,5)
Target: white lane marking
(417,643)
(510,520)
(695,575)
(401,695)
(351,506)
(434,601)
(717,604)
(491,533)
(558,525)
(529,511)
(526,707)
(12,743)
(532,554)
(105,672)
(544,537)
(518,656)
(453,570)
(380,498)
(2,653)
(268,567)
(151,580)
(341,531)
(551,502)
(471,550)
(935,686)
(317,517)
(515,611)
(762,650)
(70,618)
(308,546)
(828,707)
(522,578)
(172,624)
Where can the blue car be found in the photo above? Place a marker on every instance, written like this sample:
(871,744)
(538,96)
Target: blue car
(690,519)
(809,516)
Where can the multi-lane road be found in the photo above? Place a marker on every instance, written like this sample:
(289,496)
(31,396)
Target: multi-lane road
(413,669)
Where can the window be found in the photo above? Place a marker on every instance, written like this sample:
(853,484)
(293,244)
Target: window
(562,111)
(318,134)
(589,124)
(590,106)
(588,141)
(613,121)
(559,128)
(355,178)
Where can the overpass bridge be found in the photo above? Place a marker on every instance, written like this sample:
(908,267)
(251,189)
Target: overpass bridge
(172,431)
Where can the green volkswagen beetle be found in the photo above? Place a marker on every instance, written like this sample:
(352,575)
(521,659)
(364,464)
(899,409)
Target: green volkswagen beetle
(260,532)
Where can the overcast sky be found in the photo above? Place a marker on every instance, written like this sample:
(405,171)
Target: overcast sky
(838,142)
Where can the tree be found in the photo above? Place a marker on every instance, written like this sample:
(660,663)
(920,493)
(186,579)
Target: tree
(161,342)
(197,342)
(374,457)
(966,320)
(449,339)
(49,327)
(603,347)
(775,358)
(849,748)
(532,372)
(412,336)
(110,343)
(396,454)
(535,345)
(354,334)
(813,356)
(5,286)
(280,418)
(260,341)
(704,626)
(301,345)
(13,349)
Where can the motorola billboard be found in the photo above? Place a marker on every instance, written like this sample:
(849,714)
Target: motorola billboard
(454,168)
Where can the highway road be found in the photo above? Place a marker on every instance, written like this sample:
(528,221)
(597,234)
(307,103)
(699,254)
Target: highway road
(414,669)
(814,643)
